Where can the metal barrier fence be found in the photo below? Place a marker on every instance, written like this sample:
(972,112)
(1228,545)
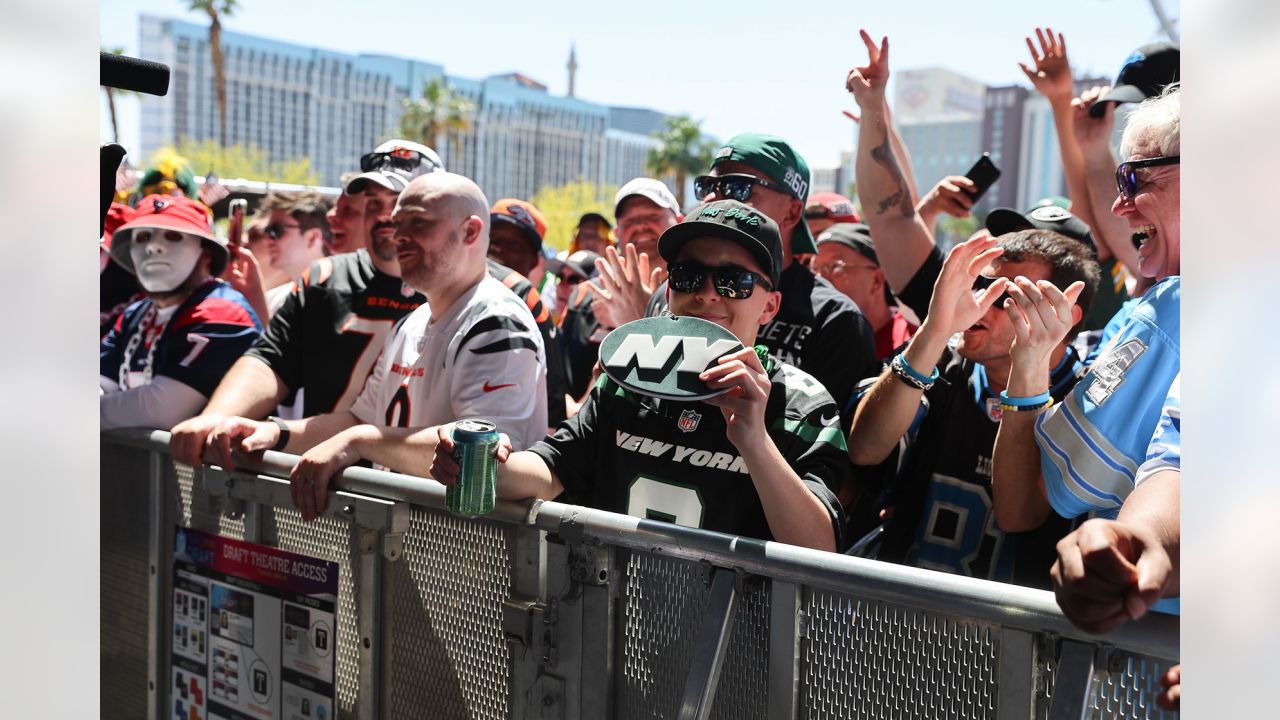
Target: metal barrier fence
(544,610)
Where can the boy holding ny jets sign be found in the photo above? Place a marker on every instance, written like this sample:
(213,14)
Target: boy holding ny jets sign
(740,443)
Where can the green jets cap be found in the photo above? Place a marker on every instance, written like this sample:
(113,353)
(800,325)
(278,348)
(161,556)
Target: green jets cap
(774,157)
(730,220)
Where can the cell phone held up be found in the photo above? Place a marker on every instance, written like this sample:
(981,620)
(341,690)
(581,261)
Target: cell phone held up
(983,175)
(235,226)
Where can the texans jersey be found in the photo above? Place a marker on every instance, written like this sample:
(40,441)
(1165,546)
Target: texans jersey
(195,342)
(671,461)
(1092,444)
(329,331)
(943,516)
(482,359)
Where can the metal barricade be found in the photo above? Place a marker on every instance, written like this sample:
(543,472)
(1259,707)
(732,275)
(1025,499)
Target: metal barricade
(544,610)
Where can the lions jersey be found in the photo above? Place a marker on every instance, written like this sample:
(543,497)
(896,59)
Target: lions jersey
(943,512)
(1092,444)
(482,359)
(325,337)
(671,461)
(195,342)
(1165,451)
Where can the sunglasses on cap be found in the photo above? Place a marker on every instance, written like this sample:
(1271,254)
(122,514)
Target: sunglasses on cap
(729,281)
(730,187)
(982,282)
(1127,173)
(276,230)
(396,159)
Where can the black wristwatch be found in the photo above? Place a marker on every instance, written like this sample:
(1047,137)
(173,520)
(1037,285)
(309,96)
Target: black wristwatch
(284,433)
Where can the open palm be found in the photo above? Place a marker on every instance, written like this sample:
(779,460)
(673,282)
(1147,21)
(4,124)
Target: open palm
(1052,74)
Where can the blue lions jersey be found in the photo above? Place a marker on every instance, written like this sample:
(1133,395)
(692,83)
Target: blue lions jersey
(1093,443)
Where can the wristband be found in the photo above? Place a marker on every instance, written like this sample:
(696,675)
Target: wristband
(1025,408)
(1040,399)
(903,370)
(284,433)
(920,377)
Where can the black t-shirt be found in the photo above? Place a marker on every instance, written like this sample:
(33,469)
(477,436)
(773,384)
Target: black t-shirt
(117,289)
(943,512)
(918,291)
(671,461)
(328,332)
(580,336)
(556,383)
(818,329)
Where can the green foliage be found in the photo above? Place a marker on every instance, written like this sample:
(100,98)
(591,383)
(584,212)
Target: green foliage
(440,112)
(563,205)
(247,162)
(221,7)
(681,151)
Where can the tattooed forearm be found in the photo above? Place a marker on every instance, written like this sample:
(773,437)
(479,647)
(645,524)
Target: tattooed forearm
(884,156)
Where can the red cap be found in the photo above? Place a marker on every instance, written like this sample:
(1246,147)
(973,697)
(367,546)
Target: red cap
(118,214)
(169,212)
(832,206)
(524,216)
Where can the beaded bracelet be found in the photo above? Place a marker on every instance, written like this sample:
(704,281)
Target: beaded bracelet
(1025,408)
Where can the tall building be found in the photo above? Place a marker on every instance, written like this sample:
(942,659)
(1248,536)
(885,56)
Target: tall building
(939,113)
(1002,137)
(295,101)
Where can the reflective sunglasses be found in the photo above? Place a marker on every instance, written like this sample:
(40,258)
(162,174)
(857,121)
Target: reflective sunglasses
(730,187)
(396,159)
(729,281)
(982,282)
(276,230)
(1127,173)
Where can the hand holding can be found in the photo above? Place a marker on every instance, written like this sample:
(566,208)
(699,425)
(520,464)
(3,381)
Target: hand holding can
(475,448)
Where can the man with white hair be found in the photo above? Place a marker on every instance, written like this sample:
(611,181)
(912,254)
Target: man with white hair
(1093,448)
(472,350)
(166,352)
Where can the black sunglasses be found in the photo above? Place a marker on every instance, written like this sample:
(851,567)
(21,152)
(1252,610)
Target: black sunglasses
(730,187)
(729,281)
(276,230)
(982,282)
(397,159)
(1127,173)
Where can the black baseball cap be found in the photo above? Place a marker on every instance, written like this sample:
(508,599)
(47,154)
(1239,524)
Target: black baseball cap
(1146,72)
(1043,217)
(730,220)
(856,237)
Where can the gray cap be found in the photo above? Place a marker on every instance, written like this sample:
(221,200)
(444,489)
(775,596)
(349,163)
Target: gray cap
(581,263)
(654,190)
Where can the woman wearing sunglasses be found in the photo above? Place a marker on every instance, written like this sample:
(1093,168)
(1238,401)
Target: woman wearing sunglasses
(763,460)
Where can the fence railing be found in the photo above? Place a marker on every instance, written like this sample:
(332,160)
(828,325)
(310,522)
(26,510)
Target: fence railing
(546,610)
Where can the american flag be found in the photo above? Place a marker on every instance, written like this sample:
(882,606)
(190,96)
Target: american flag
(212,191)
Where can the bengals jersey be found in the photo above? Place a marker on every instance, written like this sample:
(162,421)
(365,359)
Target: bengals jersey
(326,336)
(482,359)
(671,461)
(195,342)
(557,384)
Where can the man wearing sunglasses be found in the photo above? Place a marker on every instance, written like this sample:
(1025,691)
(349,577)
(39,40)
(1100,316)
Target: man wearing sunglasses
(166,353)
(928,425)
(817,329)
(847,259)
(297,235)
(762,460)
(570,272)
(1093,446)
(321,344)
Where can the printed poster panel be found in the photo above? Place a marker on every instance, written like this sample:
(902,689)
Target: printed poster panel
(254,629)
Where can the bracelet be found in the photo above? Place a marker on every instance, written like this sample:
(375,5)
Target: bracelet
(284,433)
(1025,408)
(1040,399)
(904,372)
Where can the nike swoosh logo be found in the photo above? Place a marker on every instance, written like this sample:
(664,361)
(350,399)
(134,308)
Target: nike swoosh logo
(828,421)
(490,388)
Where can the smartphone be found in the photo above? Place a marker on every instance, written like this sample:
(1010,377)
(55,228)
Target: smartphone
(983,174)
(235,226)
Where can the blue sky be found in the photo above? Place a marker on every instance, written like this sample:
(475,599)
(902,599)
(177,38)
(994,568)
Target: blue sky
(770,67)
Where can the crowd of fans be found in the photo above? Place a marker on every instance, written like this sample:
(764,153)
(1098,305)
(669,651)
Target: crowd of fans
(1007,410)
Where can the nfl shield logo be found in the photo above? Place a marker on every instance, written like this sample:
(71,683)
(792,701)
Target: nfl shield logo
(689,420)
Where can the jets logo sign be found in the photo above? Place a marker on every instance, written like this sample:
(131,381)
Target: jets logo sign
(663,356)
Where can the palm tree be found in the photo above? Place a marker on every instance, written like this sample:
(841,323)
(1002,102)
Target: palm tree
(681,150)
(439,112)
(111,97)
(217,9)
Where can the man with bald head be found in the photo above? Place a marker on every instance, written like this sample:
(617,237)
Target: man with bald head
(471,351)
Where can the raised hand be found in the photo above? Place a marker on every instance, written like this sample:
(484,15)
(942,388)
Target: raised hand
(1052,74)
(950,196)
(622,289)
(244,275)
(955,306)
(1089,130)
(1041,315)
(867,82)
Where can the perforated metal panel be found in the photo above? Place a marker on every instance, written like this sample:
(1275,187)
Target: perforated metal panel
(744,681)
(876,660)
(124,573)
(332,540)
(446,654)
(203,512)
(1128,687)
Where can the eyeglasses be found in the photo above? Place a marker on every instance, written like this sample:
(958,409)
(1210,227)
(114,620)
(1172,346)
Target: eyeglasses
(730,281)
(275,230)
(397,159)
(732,187)
(172,236)
(982,282)
(1127,173)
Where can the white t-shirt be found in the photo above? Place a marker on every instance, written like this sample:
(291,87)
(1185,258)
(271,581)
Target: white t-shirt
(483,359)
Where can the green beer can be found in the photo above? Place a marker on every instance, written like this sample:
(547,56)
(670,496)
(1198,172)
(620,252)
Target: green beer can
(475,443)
